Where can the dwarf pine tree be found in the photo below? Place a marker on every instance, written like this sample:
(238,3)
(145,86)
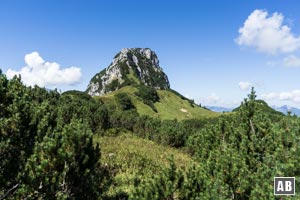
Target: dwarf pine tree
(63,166)
(16,131)
(164,186)
(243,152)
(41,157)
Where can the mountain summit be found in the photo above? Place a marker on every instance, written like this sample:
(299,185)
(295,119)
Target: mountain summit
(131,66)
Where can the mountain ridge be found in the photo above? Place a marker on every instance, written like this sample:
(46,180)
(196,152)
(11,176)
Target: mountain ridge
(285,109)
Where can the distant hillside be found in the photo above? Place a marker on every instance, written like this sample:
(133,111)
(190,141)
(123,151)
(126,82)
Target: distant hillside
(169,106)
(219,109)
(264,107)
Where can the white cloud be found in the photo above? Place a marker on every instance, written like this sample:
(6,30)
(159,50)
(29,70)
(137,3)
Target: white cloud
(212,99)
(273,63)
(267,33)
(245,85)
(293,96)
(42,73)
(291,61)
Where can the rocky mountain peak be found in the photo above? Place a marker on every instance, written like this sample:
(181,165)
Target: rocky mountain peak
(131,66)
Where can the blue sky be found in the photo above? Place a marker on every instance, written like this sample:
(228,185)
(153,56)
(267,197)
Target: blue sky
(198,43)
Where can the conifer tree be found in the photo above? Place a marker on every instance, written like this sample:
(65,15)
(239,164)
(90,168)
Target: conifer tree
(63,166)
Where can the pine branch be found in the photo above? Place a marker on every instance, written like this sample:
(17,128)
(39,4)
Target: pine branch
(251,125)
(9,191)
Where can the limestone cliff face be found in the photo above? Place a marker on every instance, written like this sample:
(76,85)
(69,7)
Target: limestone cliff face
(131,66)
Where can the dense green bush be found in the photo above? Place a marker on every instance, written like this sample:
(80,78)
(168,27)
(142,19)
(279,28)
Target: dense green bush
(237,158)
(124,101)
(44,152)
(51,172)
(83,106)
(165,185)
(148,95)
(244,152)
(47,150)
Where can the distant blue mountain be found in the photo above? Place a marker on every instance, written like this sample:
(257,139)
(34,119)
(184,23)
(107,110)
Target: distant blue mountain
(284,109)
(219,109)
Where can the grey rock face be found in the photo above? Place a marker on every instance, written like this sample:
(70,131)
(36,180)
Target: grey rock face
(130,66)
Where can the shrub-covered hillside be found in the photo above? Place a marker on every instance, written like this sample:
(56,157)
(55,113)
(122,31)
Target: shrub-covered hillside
(73,146)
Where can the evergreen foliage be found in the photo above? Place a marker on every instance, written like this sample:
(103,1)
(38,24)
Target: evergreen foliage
(46,144)
(47,148)
(124,101)
(162,186)
(82,106)
(149,96)
(261,106)
(51,172)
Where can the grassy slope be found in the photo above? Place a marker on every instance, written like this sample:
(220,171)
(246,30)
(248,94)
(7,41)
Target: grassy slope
(130,156)
(170,106)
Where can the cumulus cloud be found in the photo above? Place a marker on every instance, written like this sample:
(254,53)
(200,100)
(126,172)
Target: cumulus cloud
(212,99)
(267,33)
(293,96)
(273,63)
(291,61)
(245,85)
(43,73)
